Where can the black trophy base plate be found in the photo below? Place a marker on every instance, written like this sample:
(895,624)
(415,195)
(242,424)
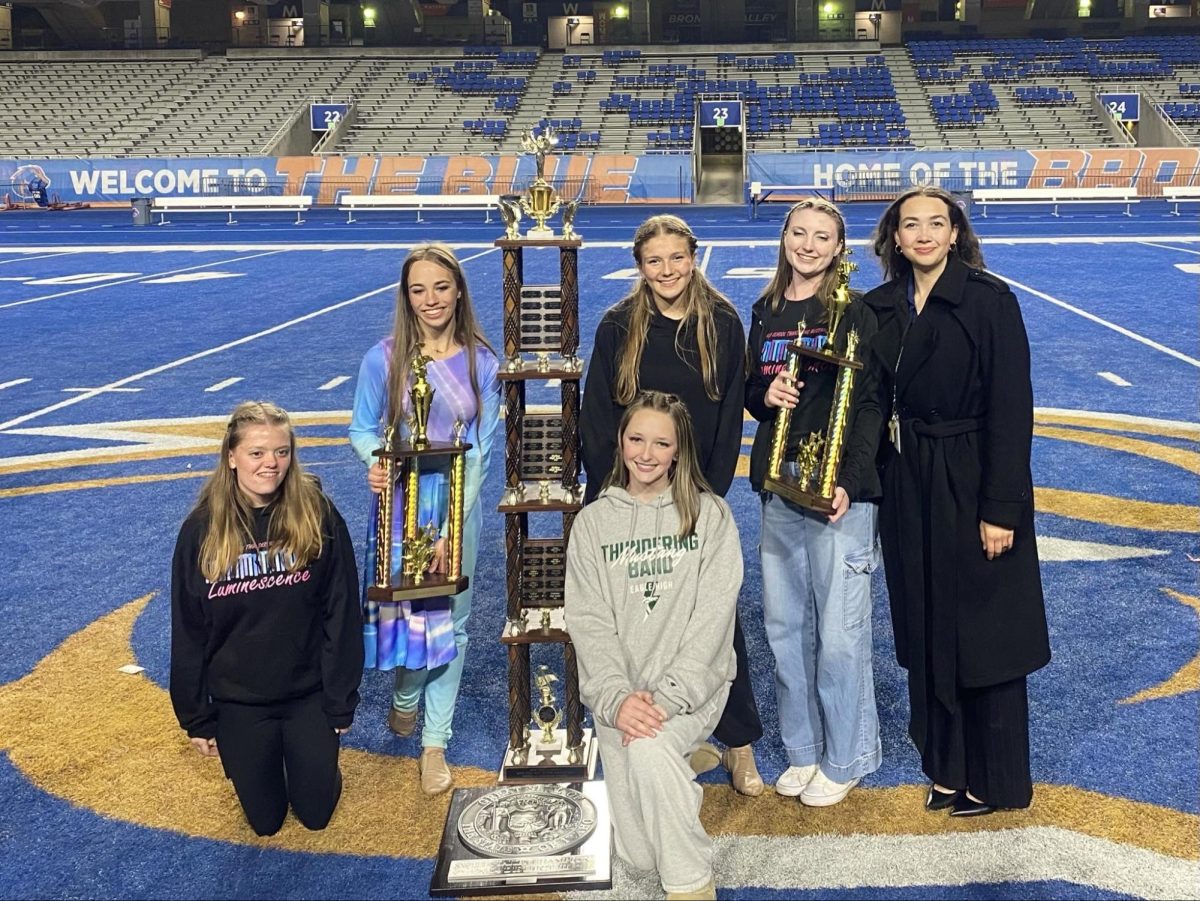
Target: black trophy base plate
(553,764)
(520,876)
(407,590)
(789,489)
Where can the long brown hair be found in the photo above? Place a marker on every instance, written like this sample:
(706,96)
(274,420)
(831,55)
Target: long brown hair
(295,525)
(406,332)
(783,269)
(687,481)
(700,302)
(897,265)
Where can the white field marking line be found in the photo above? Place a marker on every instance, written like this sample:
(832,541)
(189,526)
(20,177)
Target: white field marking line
(196,356)
(1114,378)
(222,385)
(106,389)
(624,245)
(214,350)
(136,278)
(1106,420)
(334,382)
(1171,352)
(44,256)
(236,248)
(704,259)
(1169,247)
(13,383)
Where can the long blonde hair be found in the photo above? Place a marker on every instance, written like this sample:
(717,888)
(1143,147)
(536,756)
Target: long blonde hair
(295,525)
(687,481)
(700,302)
(406,332)
(783,269)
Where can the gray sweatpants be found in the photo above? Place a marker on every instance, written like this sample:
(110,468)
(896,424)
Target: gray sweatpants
(655,801)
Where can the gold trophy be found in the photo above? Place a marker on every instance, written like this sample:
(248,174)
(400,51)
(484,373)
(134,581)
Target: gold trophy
(401,462)
(819,456)
(540,201)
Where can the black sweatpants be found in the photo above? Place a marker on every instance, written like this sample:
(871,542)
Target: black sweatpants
(740,723)
(277,753)
(983,746)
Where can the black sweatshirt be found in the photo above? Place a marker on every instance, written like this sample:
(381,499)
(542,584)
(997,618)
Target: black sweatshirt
(770,335)
(263,635)
(666,367)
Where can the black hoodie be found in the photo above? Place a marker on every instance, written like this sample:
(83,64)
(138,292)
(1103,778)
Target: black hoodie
(261,634)
(674,368)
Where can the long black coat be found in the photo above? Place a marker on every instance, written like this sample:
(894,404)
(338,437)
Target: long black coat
(962,390)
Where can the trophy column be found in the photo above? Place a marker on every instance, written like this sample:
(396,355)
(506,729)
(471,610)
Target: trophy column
(541,339)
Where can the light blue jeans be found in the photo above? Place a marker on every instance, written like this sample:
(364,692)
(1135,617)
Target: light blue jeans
(440,685)
(817,607)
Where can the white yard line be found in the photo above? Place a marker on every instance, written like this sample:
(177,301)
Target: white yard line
(1121,330)
(136,278)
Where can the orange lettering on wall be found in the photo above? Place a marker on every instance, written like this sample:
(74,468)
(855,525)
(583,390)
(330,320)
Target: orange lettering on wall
(611,176)
(1175,166)
(296,170)
(1056,168)
(467,175)
(348,175)
(506,174)
(399,175)
(1117,167)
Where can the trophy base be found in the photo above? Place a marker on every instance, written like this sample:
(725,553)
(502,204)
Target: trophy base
(460,870)
(553,763)
(828,356)
(789,489)
(406,590)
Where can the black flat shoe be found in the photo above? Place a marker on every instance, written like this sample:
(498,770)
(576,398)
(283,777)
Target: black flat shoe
(965,807)
(939,800)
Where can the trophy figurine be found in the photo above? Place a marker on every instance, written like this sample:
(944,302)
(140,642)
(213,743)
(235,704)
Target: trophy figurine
(569,210)
(510,212)
(810,480)
(421,395)
(419,553)
(540,201)
(547,716)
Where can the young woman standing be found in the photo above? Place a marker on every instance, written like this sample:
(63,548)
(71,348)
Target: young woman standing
(425,641)
(957,516)
(817,568)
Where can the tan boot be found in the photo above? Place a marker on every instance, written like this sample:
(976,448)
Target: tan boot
(402,722)
(435,775)
(743,770)
(705,893)
(704,758)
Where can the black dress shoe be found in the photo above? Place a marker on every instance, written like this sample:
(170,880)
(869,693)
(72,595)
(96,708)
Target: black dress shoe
(939,800)
(965,807)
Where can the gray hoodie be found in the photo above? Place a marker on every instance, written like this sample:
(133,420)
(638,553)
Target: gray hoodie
(648,610)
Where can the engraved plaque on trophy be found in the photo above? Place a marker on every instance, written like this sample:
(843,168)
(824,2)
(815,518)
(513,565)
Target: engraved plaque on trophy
(809,478)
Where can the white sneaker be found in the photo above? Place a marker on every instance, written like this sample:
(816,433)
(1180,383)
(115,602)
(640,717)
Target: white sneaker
(794,779)
(824,792)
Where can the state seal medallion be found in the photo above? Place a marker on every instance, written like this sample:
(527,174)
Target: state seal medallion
(527,821)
